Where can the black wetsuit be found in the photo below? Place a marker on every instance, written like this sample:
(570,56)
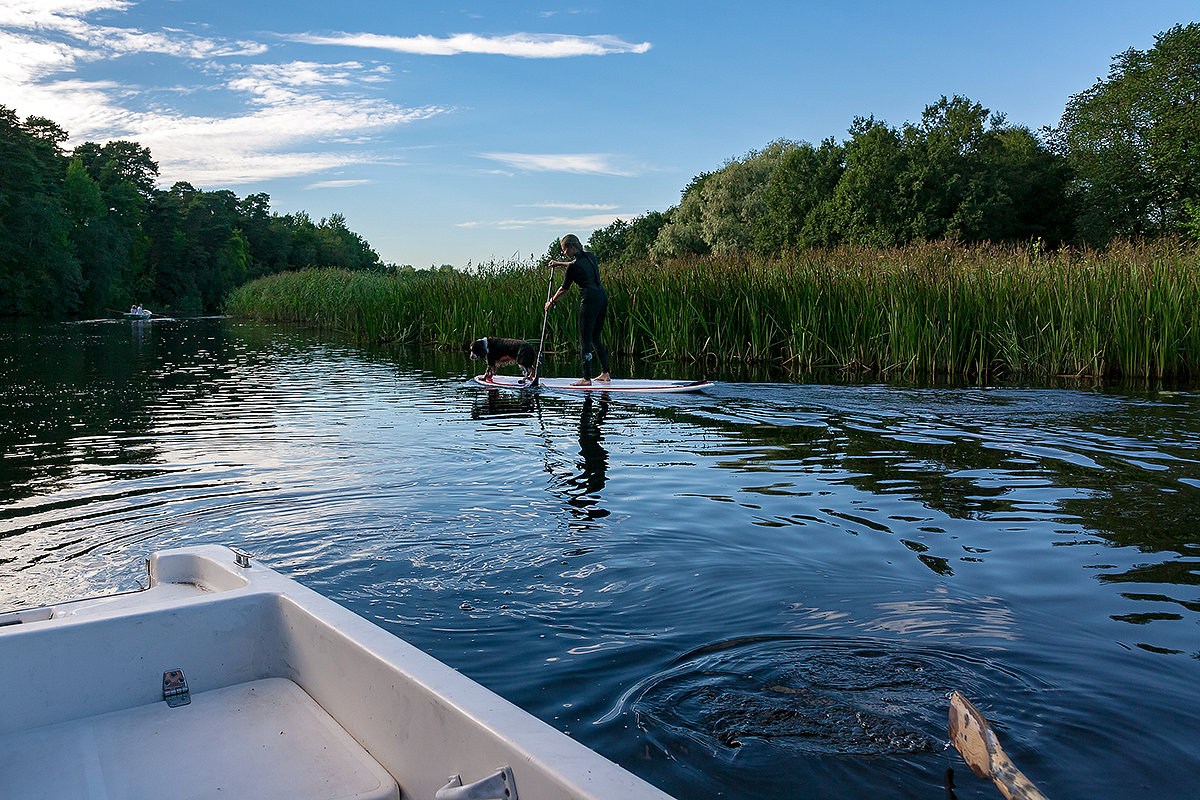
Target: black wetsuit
(584,272)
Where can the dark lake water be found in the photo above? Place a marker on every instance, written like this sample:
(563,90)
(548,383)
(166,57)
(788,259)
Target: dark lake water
(768,590)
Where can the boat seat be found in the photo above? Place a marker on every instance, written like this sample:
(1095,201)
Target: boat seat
(263,739)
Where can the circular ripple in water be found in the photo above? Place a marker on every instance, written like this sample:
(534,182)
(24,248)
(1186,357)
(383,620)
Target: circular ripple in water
(839,697)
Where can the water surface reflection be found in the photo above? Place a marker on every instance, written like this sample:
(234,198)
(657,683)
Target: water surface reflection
(762,591)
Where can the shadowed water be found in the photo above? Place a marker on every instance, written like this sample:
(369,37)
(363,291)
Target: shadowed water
(766,590)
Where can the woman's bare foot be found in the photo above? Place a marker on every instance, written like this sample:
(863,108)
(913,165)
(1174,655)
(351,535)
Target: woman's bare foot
(582,382)
(604,377)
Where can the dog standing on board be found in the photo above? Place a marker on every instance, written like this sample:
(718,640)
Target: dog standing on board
(497,351)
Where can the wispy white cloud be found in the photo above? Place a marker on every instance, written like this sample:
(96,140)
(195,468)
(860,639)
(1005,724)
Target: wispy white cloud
(519,45)
(45,42)
(43,19)
(269,142)
(54,14)
(306,74)
(290,126)
(120,41)
(571,206)
(288,119)
(281,118)
(575,163)
(342,184)
(26,59)
(586,222)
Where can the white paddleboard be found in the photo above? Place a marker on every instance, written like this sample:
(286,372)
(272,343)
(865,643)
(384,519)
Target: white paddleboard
(615,385)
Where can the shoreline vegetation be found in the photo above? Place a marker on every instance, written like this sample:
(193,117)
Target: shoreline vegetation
(958,246)
(1131,310)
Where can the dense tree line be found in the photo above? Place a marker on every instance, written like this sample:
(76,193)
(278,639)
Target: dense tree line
(86,230)
(1123,162)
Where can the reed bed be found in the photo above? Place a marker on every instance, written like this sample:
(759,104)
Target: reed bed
(1131,310)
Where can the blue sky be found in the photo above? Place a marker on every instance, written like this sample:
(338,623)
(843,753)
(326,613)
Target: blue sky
(457,133)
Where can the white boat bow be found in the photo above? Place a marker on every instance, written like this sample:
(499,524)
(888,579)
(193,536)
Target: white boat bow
(227,679)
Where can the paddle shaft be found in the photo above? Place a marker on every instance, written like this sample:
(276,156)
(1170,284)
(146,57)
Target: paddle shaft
(974,738)
(537,365)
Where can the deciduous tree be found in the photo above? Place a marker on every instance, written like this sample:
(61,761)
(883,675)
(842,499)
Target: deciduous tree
(1133,140)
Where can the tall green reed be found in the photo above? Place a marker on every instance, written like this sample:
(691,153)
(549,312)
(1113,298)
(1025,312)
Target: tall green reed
(921,310)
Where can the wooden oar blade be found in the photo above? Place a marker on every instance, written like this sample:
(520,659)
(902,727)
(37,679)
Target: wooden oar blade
(974,739)
(968,733)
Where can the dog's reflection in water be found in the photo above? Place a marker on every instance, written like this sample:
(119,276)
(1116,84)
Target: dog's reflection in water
(495,403)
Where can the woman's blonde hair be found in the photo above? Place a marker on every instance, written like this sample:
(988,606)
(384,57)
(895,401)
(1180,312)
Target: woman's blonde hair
(571,239)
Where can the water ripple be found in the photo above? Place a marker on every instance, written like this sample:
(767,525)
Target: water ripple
(847,697)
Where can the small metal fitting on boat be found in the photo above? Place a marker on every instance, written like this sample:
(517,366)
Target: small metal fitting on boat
(241,557)
(175,688)
(499,786)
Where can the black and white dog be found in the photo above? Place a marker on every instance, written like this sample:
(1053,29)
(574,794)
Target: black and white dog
(503,351)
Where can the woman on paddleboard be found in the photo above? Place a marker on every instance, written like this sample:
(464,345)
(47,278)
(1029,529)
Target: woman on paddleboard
(583,270)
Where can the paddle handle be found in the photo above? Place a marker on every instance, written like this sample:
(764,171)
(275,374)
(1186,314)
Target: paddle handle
(537,364)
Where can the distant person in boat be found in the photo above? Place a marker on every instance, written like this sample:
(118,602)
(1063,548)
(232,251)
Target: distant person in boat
(583,270)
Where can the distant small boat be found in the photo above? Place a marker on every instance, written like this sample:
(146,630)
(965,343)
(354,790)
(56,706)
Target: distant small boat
(229,679)
(141,314)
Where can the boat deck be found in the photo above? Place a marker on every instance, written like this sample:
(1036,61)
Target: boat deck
(291,696)
(264,739)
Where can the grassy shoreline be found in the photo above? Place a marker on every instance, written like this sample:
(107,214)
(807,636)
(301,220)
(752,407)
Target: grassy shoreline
(1132,310)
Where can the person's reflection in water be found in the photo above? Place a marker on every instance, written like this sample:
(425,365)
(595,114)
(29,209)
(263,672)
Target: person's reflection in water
(588,474)
(586,485)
